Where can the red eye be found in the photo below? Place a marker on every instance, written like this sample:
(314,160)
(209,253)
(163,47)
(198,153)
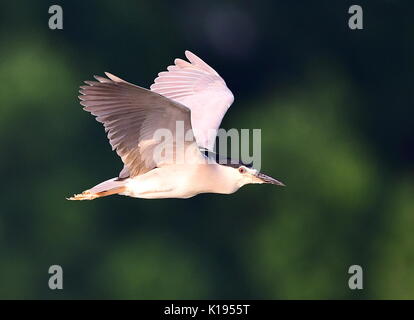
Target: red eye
(242,170)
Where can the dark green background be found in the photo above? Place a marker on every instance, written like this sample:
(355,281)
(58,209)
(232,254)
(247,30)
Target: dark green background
(336,111)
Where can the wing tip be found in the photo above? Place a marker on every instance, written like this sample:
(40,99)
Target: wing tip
(102,79)
(113,77)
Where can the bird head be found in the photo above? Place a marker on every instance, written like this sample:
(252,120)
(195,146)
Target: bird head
(240,173)
(245,174)
(250,175)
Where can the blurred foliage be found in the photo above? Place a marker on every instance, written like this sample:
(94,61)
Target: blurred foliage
(336,111)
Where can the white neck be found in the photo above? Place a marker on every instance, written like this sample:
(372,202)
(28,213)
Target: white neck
(218,179)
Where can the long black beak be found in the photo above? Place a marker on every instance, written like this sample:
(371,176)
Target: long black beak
(267,179)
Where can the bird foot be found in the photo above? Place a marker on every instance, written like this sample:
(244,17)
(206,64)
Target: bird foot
(86,195)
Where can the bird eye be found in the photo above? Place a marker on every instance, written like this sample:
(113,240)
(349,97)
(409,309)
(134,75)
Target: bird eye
(242,170)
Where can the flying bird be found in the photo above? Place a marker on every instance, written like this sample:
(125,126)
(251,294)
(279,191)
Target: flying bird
(189,92)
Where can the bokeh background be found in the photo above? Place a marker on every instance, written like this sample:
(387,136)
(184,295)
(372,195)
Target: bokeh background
(336,111)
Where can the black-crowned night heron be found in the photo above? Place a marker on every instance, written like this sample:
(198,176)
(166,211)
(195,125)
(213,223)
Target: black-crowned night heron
(191,93)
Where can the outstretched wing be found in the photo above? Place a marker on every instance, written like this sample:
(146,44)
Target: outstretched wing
(199,87)
(131,115)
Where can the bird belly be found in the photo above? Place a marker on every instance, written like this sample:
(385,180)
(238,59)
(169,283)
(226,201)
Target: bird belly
(161,183)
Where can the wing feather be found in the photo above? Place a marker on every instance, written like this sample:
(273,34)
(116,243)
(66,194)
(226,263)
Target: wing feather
(131,115)
(200,88)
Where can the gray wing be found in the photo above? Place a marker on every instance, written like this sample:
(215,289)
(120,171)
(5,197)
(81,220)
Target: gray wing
(131,115)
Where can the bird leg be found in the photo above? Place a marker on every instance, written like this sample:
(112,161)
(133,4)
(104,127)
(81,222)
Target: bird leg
(87,195)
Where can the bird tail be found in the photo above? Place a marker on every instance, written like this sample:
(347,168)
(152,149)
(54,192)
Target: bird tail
(106,188)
